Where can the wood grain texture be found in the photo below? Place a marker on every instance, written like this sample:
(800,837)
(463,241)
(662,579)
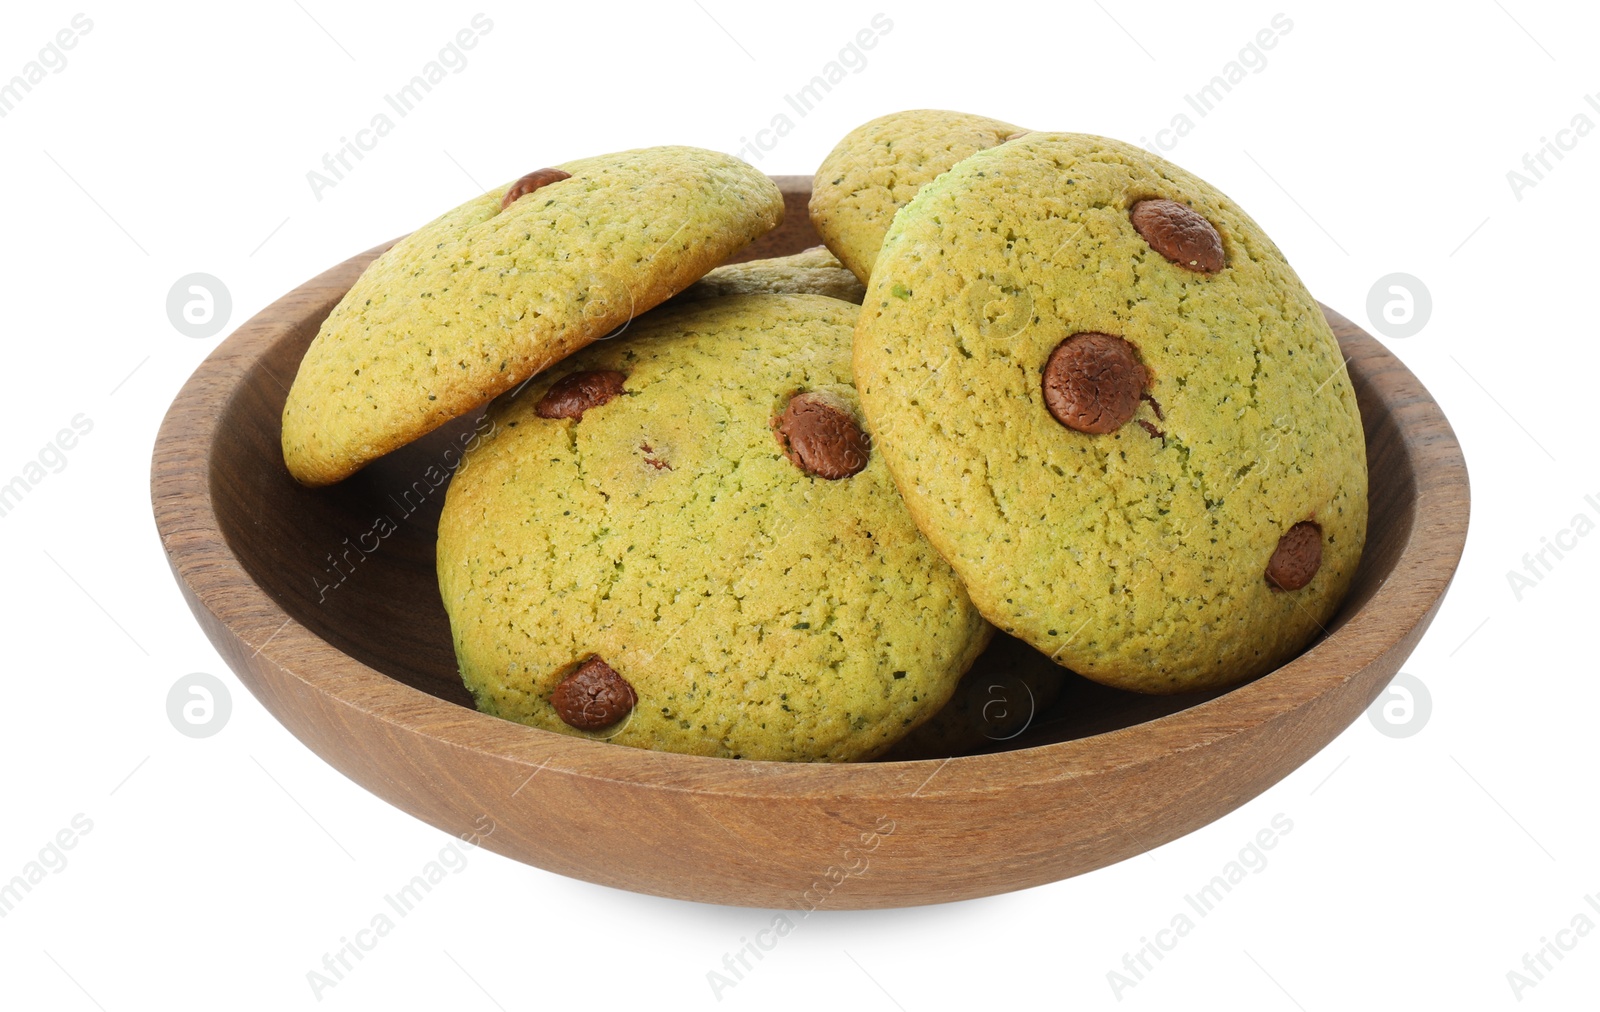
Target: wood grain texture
(349,648)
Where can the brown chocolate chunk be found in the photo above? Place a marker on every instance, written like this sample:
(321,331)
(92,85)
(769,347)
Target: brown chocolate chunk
(1155,405)
(570,396)
(653,461)
(593,697)
(1092,382)
(821,437)
(532,181)
(1179,233)
(1297,558)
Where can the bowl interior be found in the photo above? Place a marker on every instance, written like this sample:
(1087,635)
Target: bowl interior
(354,562)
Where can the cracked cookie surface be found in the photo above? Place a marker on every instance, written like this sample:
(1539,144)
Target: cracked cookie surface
(756,611)
(1137,556)
(483,297)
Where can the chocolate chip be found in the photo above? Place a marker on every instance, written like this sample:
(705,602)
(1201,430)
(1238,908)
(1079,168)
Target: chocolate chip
(1179,233)
(593,697)
(1155,405)
(820,436)
(570,396)
(653,461)
(1297,558)
(1092,382)
(532,181)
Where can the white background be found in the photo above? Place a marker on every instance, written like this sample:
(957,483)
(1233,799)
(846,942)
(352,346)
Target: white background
(1376,139)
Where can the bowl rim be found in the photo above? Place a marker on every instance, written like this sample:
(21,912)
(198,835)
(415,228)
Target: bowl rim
(250,628)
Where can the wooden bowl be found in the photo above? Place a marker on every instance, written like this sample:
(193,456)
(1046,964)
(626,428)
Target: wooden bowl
(340,633)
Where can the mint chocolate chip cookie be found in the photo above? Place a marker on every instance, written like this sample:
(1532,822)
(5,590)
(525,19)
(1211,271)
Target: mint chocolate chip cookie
(879,166)
(488,294)
(681,539)
(1113,407)
(810,272)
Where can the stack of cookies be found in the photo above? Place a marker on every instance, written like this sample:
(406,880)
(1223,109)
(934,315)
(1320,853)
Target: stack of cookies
(1043,388)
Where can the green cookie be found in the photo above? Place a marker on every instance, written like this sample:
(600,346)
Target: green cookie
(811,272)
(879,166)
(642,550)
(1114,408)
(483,297)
